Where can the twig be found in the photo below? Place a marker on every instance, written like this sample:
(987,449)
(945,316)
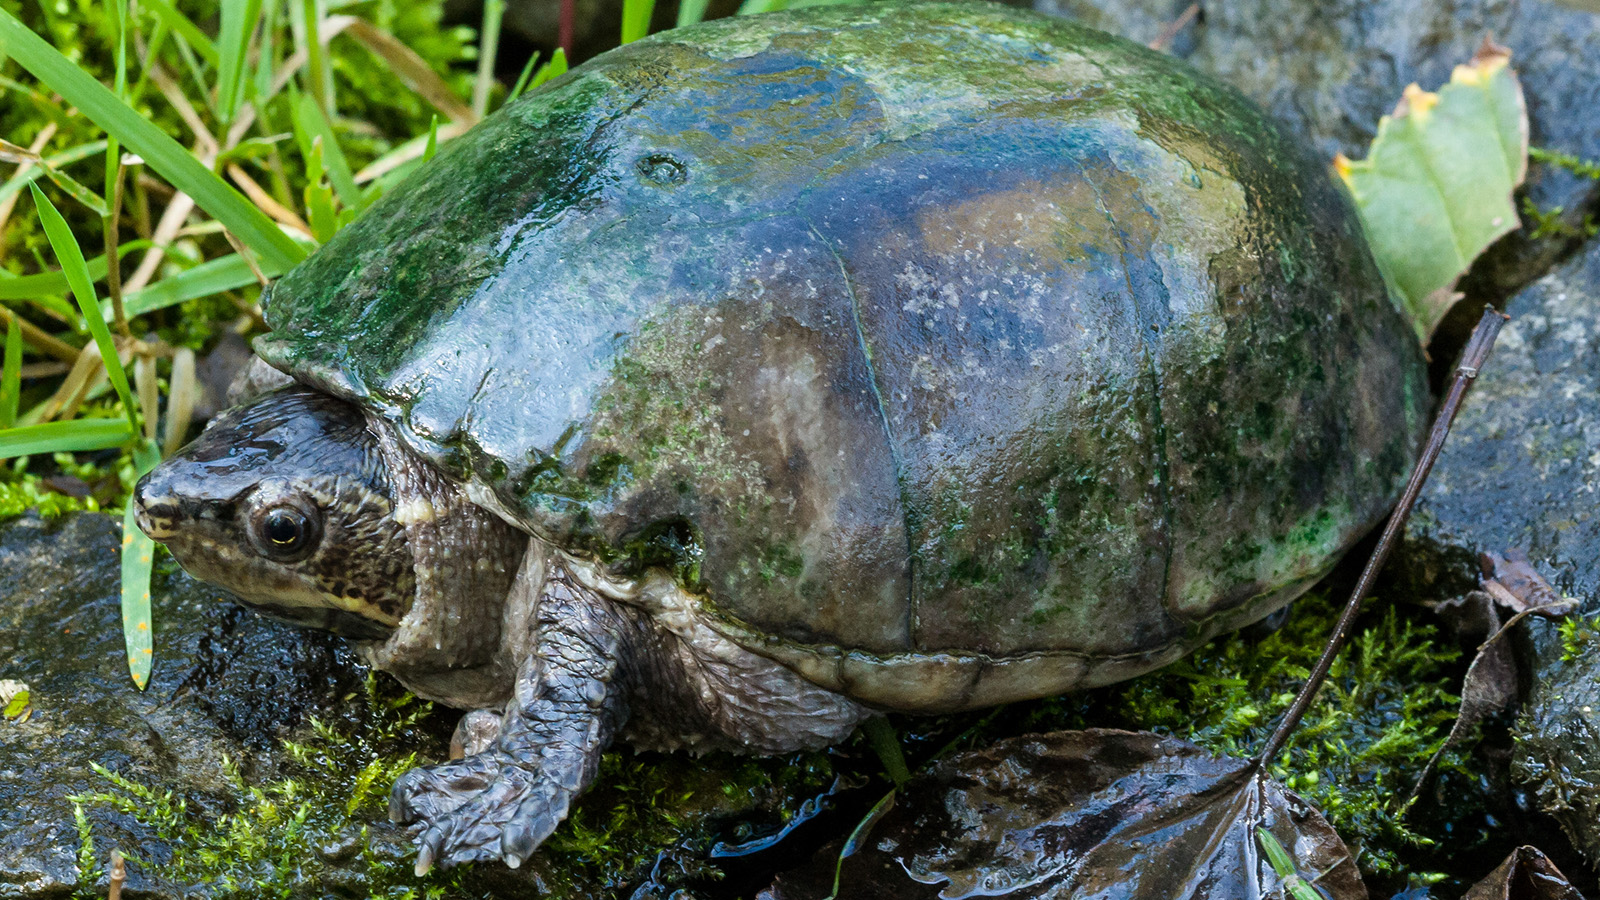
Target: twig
(38,145)
(113,258)
(564,26)
(269,204)
(40,338)
(119,875)
(1472,359)
(1164,39)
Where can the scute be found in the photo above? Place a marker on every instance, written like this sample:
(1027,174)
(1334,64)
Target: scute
(904,329)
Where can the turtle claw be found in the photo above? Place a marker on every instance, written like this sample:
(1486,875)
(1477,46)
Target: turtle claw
(480,808)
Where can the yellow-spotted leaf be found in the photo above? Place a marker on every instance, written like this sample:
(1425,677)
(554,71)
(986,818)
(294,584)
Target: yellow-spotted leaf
(1435,189)
(138,558)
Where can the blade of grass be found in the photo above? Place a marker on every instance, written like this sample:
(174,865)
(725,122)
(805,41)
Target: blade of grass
(138,558)
(636,19)
(214,276)
(76,436)
(522,80)
(311,123)
(691,12)
(184,28)
(320,88)
(23,178)
(45,284)
(410,68)
(77,271)
(556,67)
(40,338)
(138,134)
(433,140)
(488,48)
(238,21)
(408,152)
(11,376)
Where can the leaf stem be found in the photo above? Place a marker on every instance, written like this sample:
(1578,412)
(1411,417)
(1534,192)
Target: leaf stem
(1472,359)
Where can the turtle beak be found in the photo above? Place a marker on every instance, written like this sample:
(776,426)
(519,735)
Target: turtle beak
(155,507)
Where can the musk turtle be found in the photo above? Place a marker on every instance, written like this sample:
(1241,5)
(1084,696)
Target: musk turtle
(762,376)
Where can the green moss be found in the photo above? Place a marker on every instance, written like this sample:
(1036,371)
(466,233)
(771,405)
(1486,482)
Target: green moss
(1578,636)
(290,829)
(1385,710)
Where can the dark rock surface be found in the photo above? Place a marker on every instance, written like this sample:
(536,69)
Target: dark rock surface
(1522,471)
(1330,70)
(227,683)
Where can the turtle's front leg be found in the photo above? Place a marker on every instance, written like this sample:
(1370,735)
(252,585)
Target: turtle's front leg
(570,699)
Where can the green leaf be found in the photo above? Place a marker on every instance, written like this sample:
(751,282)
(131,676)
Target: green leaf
(1435,189)
(11,375)
(138,558)
(18,703)
(162,153)
(238,20)
(636,19)
(77,271)
(76,436)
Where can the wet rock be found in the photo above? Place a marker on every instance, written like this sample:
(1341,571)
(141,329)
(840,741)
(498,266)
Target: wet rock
(1330,70)
(228,685)
(1521,472)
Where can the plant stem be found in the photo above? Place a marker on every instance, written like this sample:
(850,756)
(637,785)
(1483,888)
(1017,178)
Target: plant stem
(1472,359)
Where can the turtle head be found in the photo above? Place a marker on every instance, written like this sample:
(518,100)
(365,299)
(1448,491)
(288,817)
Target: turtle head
(287,503)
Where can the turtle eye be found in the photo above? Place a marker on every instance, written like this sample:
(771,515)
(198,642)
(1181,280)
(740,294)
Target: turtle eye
(285,533)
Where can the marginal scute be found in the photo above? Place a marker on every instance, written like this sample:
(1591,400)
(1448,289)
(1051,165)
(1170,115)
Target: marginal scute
(956,352)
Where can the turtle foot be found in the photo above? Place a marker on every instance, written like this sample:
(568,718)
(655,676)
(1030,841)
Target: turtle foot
(484,807)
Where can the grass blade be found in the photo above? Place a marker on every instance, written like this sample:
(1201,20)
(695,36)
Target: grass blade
(76,436)
(311,123)
(11,375)
(321,87)
(433,140)
(238,20)
(410,68)
(138,558)
(691,12)
(48,284)
(77,271)
(184,28)
(225,273)
(17,182)
(636,19)
(488,49)
(556,67)
(522,80)
(138,134)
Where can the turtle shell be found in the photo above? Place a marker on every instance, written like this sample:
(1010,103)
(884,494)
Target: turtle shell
(913,338)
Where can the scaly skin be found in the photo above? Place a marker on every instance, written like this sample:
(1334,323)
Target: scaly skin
(571,697)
